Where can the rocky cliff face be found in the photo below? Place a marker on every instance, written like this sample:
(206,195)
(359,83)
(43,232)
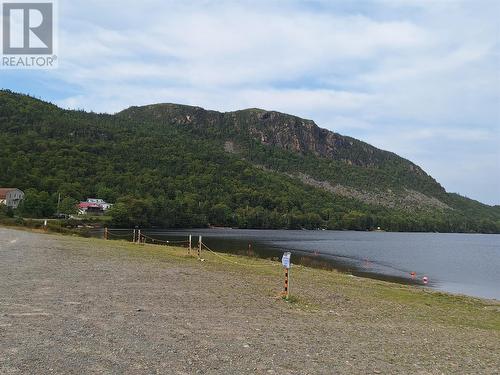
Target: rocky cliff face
(273,129)
(304,136)
(289,132)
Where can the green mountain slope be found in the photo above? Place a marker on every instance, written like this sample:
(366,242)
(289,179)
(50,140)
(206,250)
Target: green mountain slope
(289,144)
(178,166)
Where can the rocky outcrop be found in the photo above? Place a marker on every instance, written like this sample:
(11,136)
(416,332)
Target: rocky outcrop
(304,136)
(274,129)
(408,200)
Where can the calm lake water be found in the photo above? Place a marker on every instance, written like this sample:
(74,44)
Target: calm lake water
(457,263)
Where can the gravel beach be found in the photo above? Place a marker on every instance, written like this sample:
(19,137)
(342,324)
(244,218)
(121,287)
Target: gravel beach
(71,305)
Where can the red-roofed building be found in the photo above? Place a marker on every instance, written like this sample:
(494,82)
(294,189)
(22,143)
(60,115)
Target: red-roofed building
(93,206)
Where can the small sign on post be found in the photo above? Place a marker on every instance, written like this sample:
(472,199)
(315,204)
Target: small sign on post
(285,260)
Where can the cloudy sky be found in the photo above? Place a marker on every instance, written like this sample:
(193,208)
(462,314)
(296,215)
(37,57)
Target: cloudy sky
(419,78)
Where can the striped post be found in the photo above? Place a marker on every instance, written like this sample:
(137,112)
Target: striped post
(287,288)
(189,248)
(139,237)
(199,247)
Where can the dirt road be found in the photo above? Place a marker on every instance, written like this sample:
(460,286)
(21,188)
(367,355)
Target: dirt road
(81,306)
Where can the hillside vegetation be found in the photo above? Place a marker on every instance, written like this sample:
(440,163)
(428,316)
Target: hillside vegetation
(171,165)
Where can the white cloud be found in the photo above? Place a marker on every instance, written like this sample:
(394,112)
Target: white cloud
(231,45)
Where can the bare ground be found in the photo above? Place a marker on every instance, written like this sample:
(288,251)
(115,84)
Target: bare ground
(77,306)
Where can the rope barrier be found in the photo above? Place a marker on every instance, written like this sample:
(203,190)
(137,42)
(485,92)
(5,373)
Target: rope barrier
(143,236)
(119,235)
(155,240)
(163,241)
(235,262)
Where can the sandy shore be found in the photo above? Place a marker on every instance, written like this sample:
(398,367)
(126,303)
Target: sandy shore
(72,306)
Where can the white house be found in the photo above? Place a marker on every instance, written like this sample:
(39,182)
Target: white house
(93,206)
(100,202)
(11,197)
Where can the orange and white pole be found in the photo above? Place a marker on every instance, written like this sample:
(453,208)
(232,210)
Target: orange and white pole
(285,260)
(199,247)
(287,285)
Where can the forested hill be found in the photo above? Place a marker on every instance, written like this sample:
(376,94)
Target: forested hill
(172,165)
(291,144)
